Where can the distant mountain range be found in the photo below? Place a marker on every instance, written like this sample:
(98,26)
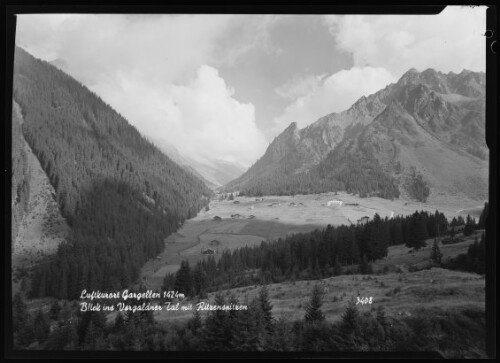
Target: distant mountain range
(418,138)
(215,174)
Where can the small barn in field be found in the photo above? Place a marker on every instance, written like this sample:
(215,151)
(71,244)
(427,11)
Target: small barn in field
(363,220)
(208,251)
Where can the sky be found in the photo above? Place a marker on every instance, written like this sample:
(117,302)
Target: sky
(221,87)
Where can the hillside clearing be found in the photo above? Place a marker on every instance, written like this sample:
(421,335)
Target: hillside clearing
(398,293)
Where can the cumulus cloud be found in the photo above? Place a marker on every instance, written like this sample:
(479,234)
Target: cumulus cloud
(450,41)
(160,71)
(201,118)
(216,122)
(383,47)
(148,68)
(164,48)
(331,94)
(299,86)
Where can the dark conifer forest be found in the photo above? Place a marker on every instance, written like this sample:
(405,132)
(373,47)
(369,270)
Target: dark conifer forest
(307,256)
(120,195)
(337,172)
(461,333)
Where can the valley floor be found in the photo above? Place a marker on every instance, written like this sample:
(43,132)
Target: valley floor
(248,221)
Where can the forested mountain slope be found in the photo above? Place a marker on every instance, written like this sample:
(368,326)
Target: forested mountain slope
(120,195)
(298,150)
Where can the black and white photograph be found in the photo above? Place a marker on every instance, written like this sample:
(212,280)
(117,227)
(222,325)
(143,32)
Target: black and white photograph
(250,183)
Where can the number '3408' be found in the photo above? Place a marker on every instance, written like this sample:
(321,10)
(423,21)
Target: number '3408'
(364,300)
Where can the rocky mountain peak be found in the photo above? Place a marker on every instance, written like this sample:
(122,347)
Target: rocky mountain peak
(292,127)
(427,109)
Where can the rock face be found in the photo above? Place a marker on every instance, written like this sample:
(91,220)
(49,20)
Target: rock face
(20,172)
(37,224)
(429,123)
(301,149)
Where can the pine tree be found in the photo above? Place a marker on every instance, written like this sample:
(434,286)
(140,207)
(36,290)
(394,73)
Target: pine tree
(183,279)
(436,254)
(313,308)
(365,267)
(257,334)
(337,268)
(19,312)
(452,232)
(350,319)
(195,323)
(216,327)
(482,218)
(251,328)
(282,337)
(233,318)
(63,287)
(470,226)
(267,308)
(418,231)
(199,281)
(41,326)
